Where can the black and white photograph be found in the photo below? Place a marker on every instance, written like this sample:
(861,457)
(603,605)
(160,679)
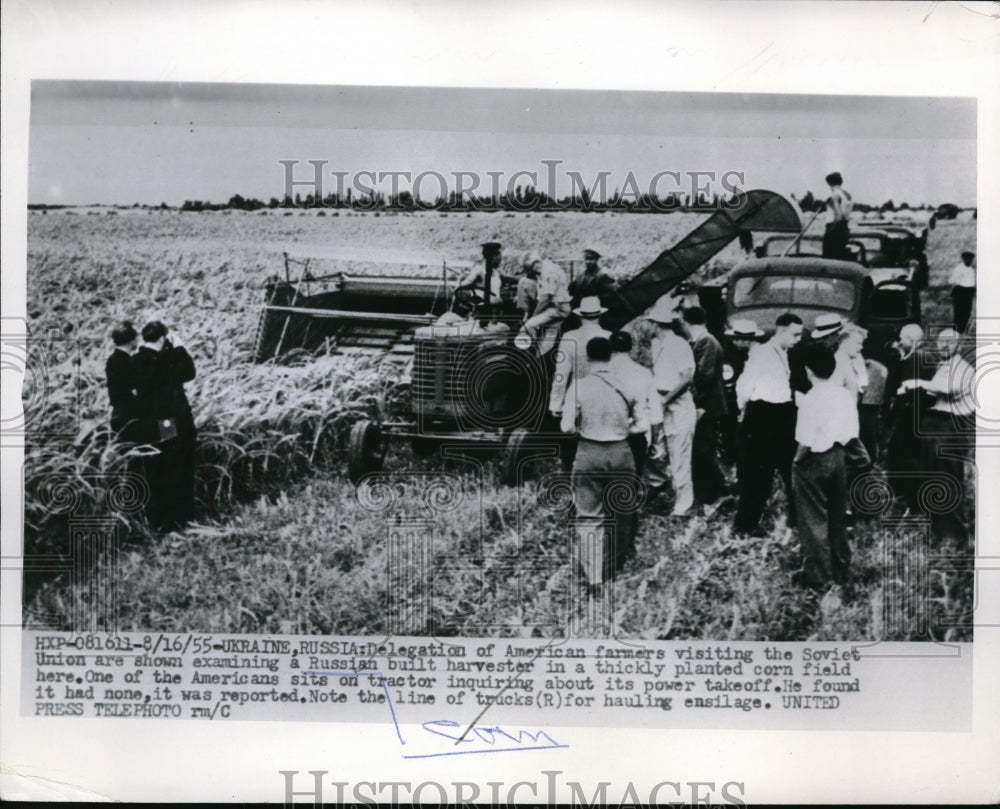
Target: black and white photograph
(499,382)
(603,392)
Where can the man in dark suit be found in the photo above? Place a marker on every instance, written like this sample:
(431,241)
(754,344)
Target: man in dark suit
(121,383)
(160,368)
(710,408)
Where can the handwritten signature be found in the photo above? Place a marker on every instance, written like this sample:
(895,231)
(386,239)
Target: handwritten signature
(485,739)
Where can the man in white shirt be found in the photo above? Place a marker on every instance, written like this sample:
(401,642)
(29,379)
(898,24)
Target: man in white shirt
(947,433)
(648,421)
(551,304)
(764,398)
(673,369)
(601,411)
(851,372)
(827,421)
(963,290)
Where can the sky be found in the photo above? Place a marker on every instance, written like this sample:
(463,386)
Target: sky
(126,142)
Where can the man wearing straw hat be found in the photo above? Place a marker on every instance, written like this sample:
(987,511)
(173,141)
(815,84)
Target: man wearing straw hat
(571,361)
(673,369)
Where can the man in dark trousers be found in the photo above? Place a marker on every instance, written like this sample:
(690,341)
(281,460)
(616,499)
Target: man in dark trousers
(764,397)
(710,407)
(161,367)
(121,383)
(905,406)
(948,436)
(827,421)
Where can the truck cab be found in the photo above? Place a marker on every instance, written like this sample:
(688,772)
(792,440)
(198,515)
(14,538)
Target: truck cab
(879,299)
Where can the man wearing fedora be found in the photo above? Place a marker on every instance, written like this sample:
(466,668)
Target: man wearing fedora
(764,397)
(572,364)
(673,369)
(592,282)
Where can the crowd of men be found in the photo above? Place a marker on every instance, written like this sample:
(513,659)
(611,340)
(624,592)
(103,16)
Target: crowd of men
(819,414)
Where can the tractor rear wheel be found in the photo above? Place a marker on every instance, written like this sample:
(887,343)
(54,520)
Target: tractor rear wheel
(514,468)
(365,450)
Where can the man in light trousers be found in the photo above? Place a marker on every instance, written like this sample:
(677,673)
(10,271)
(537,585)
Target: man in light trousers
(673,367)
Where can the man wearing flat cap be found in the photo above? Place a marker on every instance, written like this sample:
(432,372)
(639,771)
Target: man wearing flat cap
(592,281)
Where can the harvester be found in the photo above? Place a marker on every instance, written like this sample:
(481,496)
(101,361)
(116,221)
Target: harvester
(474,381)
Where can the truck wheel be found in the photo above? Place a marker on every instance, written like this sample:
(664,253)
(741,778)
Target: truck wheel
(514,469)
(365,450)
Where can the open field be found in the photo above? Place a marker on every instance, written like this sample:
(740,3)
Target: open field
(285,544)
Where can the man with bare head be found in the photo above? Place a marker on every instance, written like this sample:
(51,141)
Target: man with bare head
(947,434)
(905,406)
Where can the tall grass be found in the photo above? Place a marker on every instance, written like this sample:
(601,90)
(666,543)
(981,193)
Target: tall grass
(284,544)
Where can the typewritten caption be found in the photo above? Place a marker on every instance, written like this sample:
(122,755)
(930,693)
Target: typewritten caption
(411,680)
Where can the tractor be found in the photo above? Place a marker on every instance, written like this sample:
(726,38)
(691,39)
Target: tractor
(477,380)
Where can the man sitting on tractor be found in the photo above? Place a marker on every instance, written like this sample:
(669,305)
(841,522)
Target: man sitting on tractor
(551,304)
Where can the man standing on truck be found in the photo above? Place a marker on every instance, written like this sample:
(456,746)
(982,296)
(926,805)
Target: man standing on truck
(764,398)
(839,206)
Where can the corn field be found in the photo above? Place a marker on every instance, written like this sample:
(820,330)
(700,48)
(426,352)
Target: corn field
(284,543)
